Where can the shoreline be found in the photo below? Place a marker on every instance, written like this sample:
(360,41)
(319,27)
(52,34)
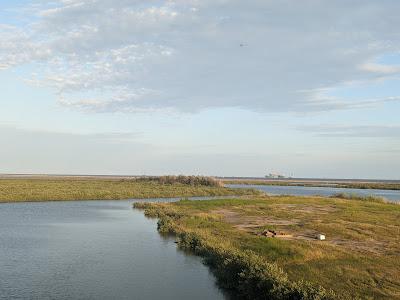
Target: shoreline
(226,234)
(395,186)
(43,190)
(134,200)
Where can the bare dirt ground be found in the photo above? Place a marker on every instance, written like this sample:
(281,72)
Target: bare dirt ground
(293,227)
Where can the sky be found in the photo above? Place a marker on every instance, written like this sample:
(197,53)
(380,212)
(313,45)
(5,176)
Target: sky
(224,87)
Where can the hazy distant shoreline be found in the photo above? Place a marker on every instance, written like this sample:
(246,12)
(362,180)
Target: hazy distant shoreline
(378,184)
(224,178)
(333,183)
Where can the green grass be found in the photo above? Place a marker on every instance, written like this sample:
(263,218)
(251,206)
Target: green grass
(360,257)
(353,196)
(349,185)
(17,190)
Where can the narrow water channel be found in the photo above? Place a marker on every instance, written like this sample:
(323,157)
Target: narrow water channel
(392,195)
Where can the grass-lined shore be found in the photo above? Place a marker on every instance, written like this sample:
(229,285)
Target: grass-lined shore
(348,185)
(48,189)
(358,259)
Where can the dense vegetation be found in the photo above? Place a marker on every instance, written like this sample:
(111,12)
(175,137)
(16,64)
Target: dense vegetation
(349,185)
(188,180)
(358,259)
(12,190)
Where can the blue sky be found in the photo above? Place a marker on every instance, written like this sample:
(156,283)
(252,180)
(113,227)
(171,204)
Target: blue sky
(212,87)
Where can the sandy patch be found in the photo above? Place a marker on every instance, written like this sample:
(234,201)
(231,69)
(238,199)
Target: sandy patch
(251,223)
(306,208)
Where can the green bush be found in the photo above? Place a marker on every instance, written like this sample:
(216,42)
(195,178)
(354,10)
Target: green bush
(165,225)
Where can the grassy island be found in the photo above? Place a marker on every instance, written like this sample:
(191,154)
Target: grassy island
(358,259)
(62,188)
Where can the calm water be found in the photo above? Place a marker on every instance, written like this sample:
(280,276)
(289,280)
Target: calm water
(323,191)
(93,250)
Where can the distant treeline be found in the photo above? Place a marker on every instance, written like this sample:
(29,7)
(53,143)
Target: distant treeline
(182,179)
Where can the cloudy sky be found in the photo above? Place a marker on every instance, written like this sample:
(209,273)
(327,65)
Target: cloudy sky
(224,87)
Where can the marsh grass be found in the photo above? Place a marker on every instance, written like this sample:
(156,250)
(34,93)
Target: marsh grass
(354,196)
(17,190)
(358,259)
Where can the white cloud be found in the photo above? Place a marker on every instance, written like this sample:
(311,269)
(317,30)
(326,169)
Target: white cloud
(135,56)
(355,131)
(379,68)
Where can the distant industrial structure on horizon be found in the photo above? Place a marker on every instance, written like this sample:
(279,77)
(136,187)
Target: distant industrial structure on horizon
(277,176)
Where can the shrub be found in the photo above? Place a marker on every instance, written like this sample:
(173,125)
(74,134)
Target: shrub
(165,225)
(141,205)
(187,180)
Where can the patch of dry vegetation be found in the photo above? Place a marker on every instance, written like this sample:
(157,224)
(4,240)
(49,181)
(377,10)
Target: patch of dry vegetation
(187,180)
